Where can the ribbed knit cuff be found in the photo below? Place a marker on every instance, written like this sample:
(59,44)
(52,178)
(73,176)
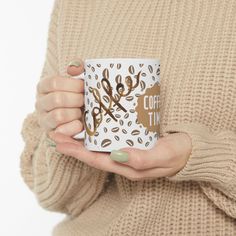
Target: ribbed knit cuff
(213,156)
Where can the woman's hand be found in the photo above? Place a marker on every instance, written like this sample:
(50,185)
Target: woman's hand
(59,101)
(167,158)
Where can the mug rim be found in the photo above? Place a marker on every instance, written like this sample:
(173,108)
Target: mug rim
(115,59)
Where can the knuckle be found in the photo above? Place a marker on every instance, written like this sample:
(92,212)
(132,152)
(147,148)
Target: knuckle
(53,83)
(57,116)
(81,99)
(57,99)
(139,162)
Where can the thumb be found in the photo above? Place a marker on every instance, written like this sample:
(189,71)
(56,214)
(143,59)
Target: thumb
(75,67)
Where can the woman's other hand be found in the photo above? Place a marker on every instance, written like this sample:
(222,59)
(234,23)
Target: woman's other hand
(165,159)
(59,101)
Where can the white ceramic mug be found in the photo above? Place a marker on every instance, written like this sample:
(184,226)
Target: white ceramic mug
(121,103)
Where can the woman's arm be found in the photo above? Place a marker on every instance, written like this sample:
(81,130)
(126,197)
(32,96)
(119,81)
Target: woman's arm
(212,163)
(60,183)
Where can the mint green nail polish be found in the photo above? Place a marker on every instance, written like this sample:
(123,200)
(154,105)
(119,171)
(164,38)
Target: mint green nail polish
(51,145)
(74,63)
(120,156)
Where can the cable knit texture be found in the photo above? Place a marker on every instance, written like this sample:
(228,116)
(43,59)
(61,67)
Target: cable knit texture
(196,43)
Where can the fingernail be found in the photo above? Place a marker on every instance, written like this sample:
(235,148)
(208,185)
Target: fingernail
(120,156)
(74,63)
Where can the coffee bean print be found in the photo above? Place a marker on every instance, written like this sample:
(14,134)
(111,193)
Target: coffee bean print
(86,83)
(90,89)
(115,129)
(106,98)
(105,129)
(91,104)
(146,132)
(129,123)
(130,142)
(87,100)
(140,140)
(141,65)
(89,125)
(90,140)
(117,97)
(129,98)
(146,144)
(89,65)
(118,66)
(118,109)
(158,71)
(135,132)
(124,131)
(96,133)
(155,135)
(96,77)
(150,68)
(143,85)
(117,138)
(126,115)
(131,110)
(118,116)
(136,121)
(137,95)
(118,79)
(108,119)
(98,65)
(112,110)
(95,142)
(131,69)
(143,74)
(153,78)
(105,74)
(111,65)
(121,122)
(98,85)
(150,138)
(106,142)
(93,69)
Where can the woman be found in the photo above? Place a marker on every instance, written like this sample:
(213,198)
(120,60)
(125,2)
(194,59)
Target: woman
(186,184)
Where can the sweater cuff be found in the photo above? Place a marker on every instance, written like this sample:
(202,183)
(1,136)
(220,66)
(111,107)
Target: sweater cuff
(213,155)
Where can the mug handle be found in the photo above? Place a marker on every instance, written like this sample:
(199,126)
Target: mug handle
(80,135)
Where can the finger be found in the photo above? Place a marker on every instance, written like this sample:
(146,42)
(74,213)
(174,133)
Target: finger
(103,162)
(59,99)
(58,83)
(62,138)
(144,159)
(75,67)
(56,117)
(71,128)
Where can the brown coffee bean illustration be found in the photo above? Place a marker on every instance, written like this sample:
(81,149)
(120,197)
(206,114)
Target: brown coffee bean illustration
(130,142)
(89,76)
(158,71)
(129,123)
(129,98)
(155,135)
(98,85)
(106,142)
(96,133)
(108,119)
(115,129)
(132,110)
(117,138)
(106,98)
(118,109)
(117,116)
(150,138)
(135,132)
(86,83)
(98,65)
(141,65)
(117,97)
(143,74)
(124,131)
(137,95)
(131,69)
(136,121)
(91,104)
(93,69)
(111,65)
(146,132)
(105,73)
(146,144)
(140,140)
(95,142)
(150,68)
(105,129)
(90,89)
(89,65)
(143,85)
(153,78)
(118,79)
(118,66)
(112,110)
(89,138)
(96,77)
(126,115)
(121,122)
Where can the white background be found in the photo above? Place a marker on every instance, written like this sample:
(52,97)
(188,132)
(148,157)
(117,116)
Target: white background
(23,34)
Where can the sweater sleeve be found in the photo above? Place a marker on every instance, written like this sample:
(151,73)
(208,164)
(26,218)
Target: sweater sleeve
(60,183)
(212,163)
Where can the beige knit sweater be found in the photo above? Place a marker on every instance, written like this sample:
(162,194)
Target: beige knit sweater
(196,43)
